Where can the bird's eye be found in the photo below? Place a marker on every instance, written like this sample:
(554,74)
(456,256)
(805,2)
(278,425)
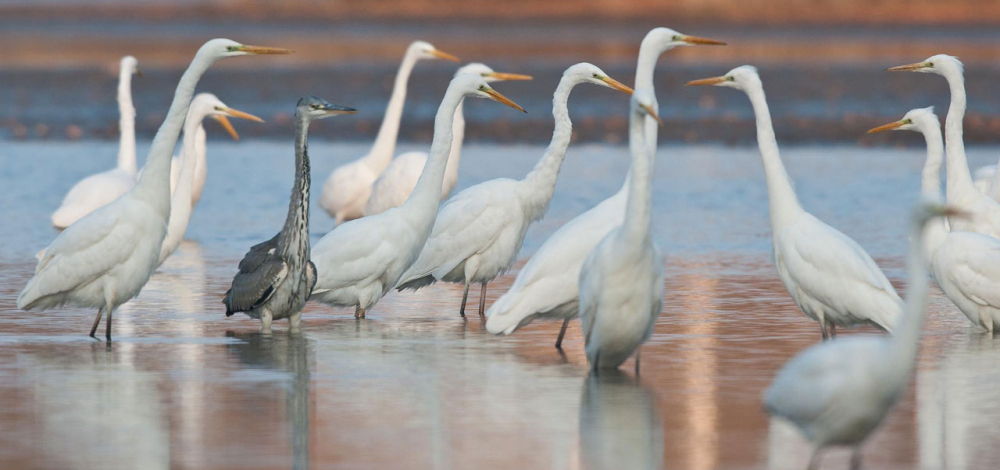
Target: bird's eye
(482,88)
(232,48)
(676,37)
(315,106)
(730,78)
(597,76)
(930,64)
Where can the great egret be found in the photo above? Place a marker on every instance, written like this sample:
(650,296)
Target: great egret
(621,281)
(200,148)
(830,277)
(105,258)
(396,183)
(346,190)
(97,190)
(966,265)
(837,392)
(359,261)
(960,190)
(202,106)
(479,231)
(547,285)
(276,277)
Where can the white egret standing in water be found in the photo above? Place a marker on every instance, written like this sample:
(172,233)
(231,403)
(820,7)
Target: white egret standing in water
(360,260)
(621,281)
(966,265)
(547,286)
(830,277)
(479,231)
(837,392)
(396,183)
(104,259)
(346,190)
(97,190)
(960,190)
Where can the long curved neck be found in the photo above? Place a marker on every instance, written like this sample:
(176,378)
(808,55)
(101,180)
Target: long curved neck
(457,136)
(126,123)
(930,186)
(180,200)
(649,52)
(295,233)
(154,183)
(906,338)
(959,178)
(385,142)
(200,165)
(423,201)
(639,208)
(784,204)
(540,183)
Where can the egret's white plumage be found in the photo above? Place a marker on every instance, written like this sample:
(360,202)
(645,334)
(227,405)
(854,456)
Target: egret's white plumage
(837,392)
(198,143)
(346,190)
(621,281)
(966,265)
(396,183)
(479,231)
(547,285)
(181,202)
(960,190)
(98,190)
(360,260)
(105,258)
(830,277)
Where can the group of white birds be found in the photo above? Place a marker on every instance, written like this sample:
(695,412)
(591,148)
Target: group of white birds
(393,233)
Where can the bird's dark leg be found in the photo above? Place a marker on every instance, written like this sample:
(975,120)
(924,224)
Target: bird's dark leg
(357,311)
(97,321)
(465,296)
(107,329)
(856,459)
(833,331)
(362,313)
(638,355)
(562,332)
(482,302)
(822,328)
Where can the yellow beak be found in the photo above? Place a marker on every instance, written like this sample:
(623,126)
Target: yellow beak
(264,50)
(887,127)
(651,113)
(695,40)
(908,67)
(707,81)
(445,56)
(503,99)
(616,85)
(508,76)
(236,114)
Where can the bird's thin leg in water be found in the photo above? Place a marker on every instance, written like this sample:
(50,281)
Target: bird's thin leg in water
(362,313)
(833,331)
(293,322)
(562,332)
(107,325)
(465,296)
(638,355)
(822,329)
(97,321)
(482,302)
(856,459)
(265,322)
(814,460)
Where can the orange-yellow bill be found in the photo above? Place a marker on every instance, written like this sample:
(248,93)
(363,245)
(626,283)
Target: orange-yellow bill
(887,127)
(616,85)
(503,99)
(907,67)
(702,41)
(707,81)
(264,50)
(509,76)
(227,126)
(445,56)
(651,113)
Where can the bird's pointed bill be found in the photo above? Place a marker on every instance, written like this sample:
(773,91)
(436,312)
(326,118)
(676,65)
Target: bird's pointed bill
(138,72)
(241,115)
(508,76)
(699,41)
(909,67)
(649,110)
(263,50)
(616,85)
(445,56)
(503,99)
(227,126)
(707,81)
(334,110)
(888,127)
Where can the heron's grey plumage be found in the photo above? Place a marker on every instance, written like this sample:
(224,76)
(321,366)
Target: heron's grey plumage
(276,277)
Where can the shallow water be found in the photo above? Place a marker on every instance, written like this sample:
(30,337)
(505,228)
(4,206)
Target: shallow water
(185,387)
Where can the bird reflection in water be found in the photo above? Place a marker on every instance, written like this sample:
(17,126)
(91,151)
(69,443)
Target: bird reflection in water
(620,425)
(286,353)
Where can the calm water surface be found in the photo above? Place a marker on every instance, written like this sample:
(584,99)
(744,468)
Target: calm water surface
(184,387)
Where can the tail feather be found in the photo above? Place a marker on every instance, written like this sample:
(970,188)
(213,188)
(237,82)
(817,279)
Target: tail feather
(415,284)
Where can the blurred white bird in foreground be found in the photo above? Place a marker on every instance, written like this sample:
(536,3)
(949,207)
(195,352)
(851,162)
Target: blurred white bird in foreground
(479,231)
(105,258)
(830,277)
(547,286)
(396,183)
(621,281)
(360,260)
(98,190)
(837,392)
(966,265)
(346,190)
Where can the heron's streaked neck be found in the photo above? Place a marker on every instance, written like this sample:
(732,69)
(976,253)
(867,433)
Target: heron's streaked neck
(385,142)
(930,185)
(457,136)
(422,204)
(784,205)
(639,208)
(906,338)
(180,200)
(959,177)
(295,233)
(154,183)
(540,183)
(126,123)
